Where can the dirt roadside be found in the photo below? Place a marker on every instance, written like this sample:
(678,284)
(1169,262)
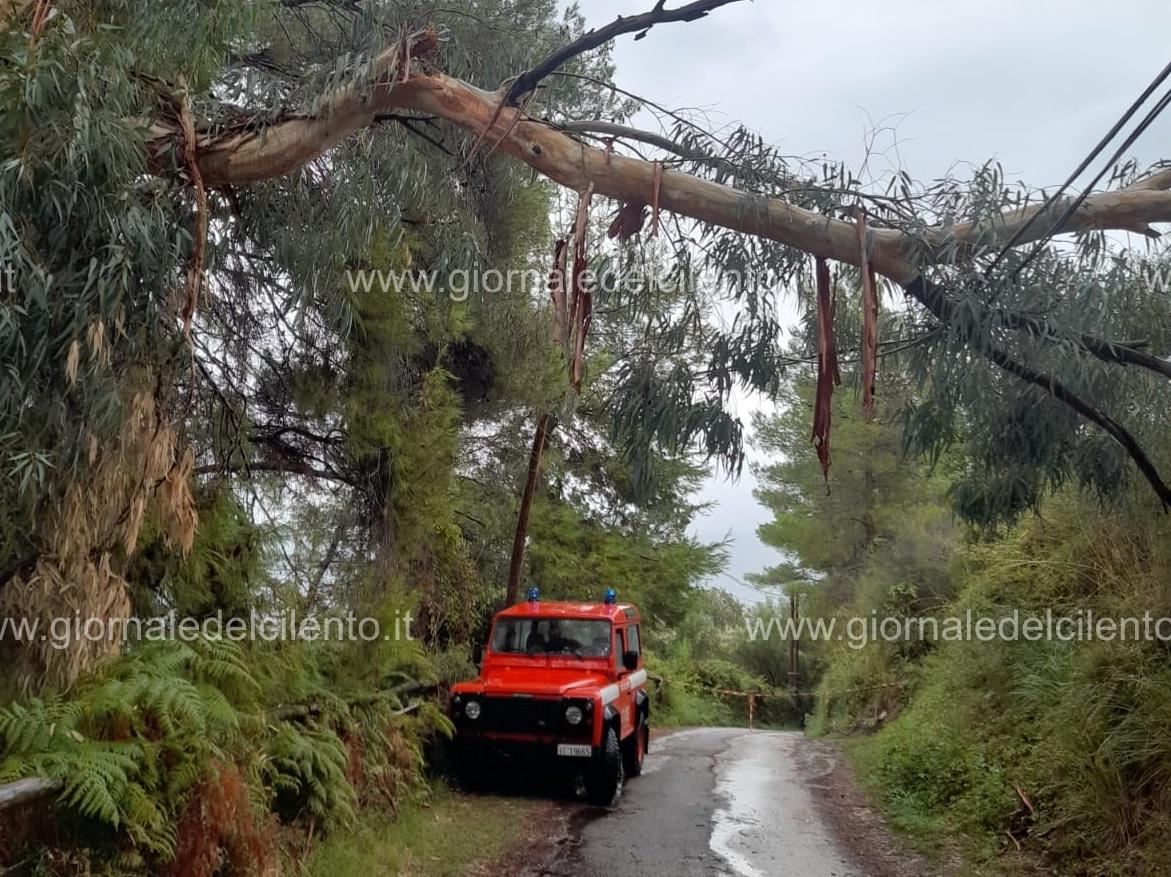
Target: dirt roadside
(846,809)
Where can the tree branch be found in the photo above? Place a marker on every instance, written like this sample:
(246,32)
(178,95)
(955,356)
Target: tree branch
(625,132)
(1113,352)
(935,300)
(246,155)
(894,253)
(524,84)
(288,467)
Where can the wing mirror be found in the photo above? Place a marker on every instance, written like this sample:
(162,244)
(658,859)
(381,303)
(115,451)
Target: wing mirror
(630,659)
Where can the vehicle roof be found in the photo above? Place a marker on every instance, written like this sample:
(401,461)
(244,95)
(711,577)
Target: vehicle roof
(551,609)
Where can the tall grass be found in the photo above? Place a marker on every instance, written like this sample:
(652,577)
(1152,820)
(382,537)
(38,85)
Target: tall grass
(1061,747)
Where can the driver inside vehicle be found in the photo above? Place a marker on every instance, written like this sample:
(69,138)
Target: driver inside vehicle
(558,642)
(536,641)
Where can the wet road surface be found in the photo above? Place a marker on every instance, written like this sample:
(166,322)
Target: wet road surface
(712,801)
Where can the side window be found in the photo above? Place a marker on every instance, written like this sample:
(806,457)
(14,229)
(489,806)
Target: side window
(632,633)
(619,648)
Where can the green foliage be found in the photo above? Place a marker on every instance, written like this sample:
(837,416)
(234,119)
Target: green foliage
(575,557)
(877,540)
(336,431)
(220,573)
(136,744)
(95,247)
(305,765)
(710,691)
(440,835)
(363,447)
(1078,726)
(965,729)
(136,738)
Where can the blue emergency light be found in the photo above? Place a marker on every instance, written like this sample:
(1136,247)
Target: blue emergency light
(534,595)
(611,596)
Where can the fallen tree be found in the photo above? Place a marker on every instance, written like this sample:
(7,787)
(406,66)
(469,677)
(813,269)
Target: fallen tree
(242,157)
(255,144)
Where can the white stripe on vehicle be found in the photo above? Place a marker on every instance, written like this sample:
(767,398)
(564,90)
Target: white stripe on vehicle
(609,694)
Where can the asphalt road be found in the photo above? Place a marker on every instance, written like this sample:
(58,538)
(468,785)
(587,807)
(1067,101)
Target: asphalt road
(712,801)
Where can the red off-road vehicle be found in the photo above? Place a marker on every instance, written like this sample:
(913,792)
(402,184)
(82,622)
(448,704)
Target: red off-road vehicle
(563,685)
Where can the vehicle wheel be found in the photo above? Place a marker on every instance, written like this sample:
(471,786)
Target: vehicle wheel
(469,771)
(635,749)
(603,779)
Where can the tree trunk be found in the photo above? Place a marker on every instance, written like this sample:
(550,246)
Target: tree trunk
(26,791)
(526,505)
(247,157)
(794,648)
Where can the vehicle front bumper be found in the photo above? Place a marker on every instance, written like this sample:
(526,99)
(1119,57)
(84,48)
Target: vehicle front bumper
(504,750)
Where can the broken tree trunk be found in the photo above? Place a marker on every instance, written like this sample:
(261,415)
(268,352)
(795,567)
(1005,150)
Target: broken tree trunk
(526,505)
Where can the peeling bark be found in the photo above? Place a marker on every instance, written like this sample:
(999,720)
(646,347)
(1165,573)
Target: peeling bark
(282,148)
(248,155)
(828,375)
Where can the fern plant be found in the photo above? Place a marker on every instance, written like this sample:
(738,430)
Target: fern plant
(306,766)
(135,737)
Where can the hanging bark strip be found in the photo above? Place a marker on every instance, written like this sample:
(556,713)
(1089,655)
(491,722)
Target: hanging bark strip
(628,221)
(526,504)
(631,215)
(583,306)
(827,368)
(656,191)
(558,294)
(869,323)
(584,318)
(40,17)
(191,163)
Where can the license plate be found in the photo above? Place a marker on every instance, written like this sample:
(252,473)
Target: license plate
(573,750)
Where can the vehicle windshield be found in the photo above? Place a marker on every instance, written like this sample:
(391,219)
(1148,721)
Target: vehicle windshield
(575,637)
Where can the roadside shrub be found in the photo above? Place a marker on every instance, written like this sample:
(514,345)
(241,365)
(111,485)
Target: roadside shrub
(861,689)
(175,759)
(1064,746)
(693,693)
(219,831)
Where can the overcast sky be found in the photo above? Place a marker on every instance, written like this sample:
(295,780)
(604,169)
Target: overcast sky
(1032,83)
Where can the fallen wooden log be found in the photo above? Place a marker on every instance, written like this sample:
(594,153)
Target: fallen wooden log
(26,791)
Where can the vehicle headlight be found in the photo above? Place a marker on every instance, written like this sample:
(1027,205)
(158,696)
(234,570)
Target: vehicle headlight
(472,709)
(573,715)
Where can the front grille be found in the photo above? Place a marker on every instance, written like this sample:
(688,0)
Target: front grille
(521,715)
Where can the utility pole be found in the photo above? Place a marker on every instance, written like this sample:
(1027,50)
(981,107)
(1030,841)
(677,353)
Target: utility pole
(794,646)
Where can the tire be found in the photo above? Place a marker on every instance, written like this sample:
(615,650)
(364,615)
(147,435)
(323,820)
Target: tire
(635,749)
(603,778)
(469,771)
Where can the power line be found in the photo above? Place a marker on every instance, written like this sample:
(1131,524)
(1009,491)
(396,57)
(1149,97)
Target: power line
(1081,168)
(1147,121)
